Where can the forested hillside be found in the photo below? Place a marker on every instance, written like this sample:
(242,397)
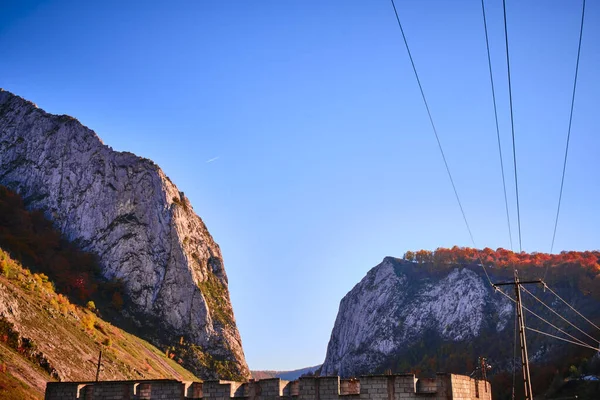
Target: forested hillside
(587,262)
(567,272)
(54,306)
(437,311)
(32,239)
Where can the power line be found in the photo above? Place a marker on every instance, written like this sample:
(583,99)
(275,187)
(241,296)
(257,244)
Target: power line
(514,356)
(487,44)
(560,316)
(522,339)
(559,338)
(577,341)
(557,328)
(512,125)
(571,307)
(437,138)
(544,320)
(562,180)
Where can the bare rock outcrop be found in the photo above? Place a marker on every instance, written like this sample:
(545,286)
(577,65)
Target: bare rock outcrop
(9,307)
(123,208)
(442,316)
(395,306)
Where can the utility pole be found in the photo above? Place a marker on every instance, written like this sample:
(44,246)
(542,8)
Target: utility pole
(99,364)
(523,341)
(484,367)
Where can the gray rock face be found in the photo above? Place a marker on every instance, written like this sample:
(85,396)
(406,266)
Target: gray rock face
(9,307)
(392,308)
(123,208)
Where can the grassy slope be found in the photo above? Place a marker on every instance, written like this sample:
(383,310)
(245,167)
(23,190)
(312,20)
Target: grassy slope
(70,337)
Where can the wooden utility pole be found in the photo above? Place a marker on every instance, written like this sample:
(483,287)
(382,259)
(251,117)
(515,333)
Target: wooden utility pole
(99,364)
(484,367)
(523,341)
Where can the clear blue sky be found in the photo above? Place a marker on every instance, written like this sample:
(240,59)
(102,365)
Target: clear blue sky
(323,159)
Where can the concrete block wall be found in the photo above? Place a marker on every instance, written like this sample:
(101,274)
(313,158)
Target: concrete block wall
(483,389)
(427,385)
(378,387)
(293,388)
(322,388)
(220,390)
(63,390)
(465,388)
(142,390)
(268,389)
(118,390)
(349,387)
(193,390)
(383,387)
(108,390)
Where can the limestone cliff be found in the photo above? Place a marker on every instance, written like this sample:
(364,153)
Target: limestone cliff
(123,208)
(406,316)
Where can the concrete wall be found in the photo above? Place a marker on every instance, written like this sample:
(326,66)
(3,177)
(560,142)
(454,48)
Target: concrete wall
(123,390)
(378,387)
(349,386)
(465,388)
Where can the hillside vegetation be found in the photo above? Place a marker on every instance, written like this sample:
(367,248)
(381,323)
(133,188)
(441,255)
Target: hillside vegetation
(438,311)
(44,337)
(32,239)
(52,299)
(574,275)
(150,263)
(535,264)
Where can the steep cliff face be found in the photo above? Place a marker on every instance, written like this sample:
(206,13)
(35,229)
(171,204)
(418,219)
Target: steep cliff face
(123,208)
(403,316)
(389,309)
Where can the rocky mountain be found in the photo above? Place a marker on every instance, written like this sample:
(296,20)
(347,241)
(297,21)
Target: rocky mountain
(389,309)
(427,316)
(126,210)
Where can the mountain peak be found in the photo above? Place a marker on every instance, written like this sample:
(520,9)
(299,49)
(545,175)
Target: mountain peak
(124,209)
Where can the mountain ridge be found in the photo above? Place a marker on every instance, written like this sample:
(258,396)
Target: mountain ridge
(285,375)
(143,229)
(440,313)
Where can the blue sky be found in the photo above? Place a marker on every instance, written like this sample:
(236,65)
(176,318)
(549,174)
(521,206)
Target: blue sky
(322,159)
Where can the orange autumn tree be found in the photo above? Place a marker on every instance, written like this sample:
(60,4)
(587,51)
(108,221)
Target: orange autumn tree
(503,258)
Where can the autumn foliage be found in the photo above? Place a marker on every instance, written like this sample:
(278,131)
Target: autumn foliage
(574,274)
(32,240)
(503,258)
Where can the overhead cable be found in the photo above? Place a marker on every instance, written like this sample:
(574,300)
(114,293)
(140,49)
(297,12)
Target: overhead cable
(571,307)
(487,44)
(560,316)
(544,320)
(559,338)
(512,126)
(562,180)
(437,138)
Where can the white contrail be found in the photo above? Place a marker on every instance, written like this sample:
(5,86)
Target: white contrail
(212,159)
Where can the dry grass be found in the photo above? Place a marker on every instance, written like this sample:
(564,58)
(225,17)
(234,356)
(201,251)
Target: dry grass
(70,337)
